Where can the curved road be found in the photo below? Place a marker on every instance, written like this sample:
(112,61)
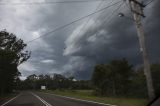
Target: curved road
(44,99)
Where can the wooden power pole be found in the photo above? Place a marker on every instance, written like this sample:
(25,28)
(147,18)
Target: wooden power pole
(137,10)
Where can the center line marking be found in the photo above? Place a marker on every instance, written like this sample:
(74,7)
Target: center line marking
(42,100)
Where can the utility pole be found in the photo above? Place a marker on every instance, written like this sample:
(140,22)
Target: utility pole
(137,10)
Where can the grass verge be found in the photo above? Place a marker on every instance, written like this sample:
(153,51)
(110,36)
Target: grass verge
(87,95)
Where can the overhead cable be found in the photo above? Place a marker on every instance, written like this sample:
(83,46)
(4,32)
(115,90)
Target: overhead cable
(61,27)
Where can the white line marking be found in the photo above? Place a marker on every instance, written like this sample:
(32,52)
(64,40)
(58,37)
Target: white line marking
(43,101)
(82,100)
(10,100)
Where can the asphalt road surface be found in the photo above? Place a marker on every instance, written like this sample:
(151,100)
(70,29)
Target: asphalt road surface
(156,102)
(44,99)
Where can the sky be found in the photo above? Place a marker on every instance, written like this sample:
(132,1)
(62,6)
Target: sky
(77,48)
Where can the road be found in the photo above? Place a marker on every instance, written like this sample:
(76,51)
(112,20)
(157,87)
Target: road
(156,102)
(44,99)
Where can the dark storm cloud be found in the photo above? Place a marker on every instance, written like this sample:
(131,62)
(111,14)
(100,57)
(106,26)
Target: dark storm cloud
(118,40)
(51,47)
(74,50)
(152,25)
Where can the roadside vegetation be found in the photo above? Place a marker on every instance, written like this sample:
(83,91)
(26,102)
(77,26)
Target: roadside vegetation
(88,95)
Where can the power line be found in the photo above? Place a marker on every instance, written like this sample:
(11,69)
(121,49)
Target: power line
(83,27)
(110,17)
(49,2)
(149,2)
(127,5)
(85,24)
(114,11)
(100,15)
(61,27)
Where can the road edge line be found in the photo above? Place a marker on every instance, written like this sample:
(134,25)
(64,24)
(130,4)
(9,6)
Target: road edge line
(89,101)
(10,100)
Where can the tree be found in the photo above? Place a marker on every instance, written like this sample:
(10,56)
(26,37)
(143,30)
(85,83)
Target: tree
(121,74)
(100,76)
(138,85)
(11,56)
(112,78)
(155,69)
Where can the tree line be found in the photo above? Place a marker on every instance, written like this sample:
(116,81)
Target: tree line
(52,82)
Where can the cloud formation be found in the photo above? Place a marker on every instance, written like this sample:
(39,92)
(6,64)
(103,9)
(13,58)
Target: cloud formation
(75,49)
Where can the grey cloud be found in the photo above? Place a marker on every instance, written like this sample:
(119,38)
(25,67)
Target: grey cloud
(76,53)
(121,41)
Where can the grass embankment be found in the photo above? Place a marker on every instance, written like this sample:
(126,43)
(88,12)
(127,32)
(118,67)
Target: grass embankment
(88,95)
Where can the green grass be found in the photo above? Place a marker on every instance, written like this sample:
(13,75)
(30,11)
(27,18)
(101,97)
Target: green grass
(87,95)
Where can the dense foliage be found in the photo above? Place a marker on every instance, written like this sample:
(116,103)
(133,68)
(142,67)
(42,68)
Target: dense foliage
(11,55)
(138,84)
(118,78)
(112,78)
